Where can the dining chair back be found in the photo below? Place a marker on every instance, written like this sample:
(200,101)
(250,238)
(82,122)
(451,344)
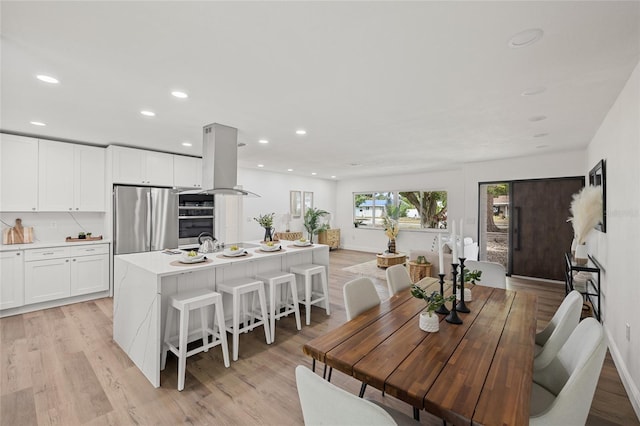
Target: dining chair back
(562,392)
(493,274)
(325,404)
(550,340)
(359,295)
(397,279)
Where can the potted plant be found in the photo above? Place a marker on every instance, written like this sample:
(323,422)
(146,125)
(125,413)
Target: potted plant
(428,321)
(312,221)
(82,236)
(472,277)
(266,221)
(391,230)
(358,222)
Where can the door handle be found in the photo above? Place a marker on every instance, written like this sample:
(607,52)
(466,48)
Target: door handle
(516,228)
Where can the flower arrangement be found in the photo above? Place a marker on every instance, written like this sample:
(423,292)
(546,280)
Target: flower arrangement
(391,227)
(433,300)
(266,220)
(586,209)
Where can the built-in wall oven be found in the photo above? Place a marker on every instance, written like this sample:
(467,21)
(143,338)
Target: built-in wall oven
(195,216)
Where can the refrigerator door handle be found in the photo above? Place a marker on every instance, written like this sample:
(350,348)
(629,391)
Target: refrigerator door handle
(149,228)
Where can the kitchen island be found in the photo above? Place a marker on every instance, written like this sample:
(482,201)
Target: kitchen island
(143,283)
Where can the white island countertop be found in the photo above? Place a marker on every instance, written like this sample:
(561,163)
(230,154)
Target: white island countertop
(159,262)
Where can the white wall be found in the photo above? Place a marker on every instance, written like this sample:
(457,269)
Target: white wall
(273,189)
(462,187)
(618,142)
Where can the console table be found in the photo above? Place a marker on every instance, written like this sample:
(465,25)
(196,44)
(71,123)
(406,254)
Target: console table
(591,289)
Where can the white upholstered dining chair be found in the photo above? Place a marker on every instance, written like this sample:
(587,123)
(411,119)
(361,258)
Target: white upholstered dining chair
(325,404)
(397,279)
(493,274)
(563,390)
(550,340)
(359,295)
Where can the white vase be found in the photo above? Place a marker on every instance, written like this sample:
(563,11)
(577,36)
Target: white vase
(430,324)
(467,294)
(581,254)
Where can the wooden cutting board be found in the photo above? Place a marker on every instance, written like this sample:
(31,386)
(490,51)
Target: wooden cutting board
(18,234)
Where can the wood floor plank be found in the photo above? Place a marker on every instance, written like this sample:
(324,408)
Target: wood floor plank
(40,384)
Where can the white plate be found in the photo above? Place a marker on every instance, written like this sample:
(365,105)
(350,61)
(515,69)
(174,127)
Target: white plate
(233,253)
(192,260)
(301,244)
(264,247)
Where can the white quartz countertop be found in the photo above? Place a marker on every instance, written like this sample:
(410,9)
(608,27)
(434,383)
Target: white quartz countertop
(48,244)
(159,263)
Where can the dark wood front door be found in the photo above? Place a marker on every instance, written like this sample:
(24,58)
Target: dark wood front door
(540,231)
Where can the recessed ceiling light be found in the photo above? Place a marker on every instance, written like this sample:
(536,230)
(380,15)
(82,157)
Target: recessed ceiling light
(187,144)
(148,113)
(289,170)
(333,177)
(534,91)
(525,38)
(263,141)
(301,132)
(538,118)
(47,79)
(540,135)
(37,123)
(313,173)
(260,165)
(179,94)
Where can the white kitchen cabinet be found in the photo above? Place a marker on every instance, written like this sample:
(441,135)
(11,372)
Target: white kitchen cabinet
(18,173)
(11,279)
(89,269)
(187,172)
(46,280)
(62,272)
(140,167)
(71,177)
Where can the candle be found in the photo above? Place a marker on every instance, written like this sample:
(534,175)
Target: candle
(461,237)
(440,256)
(454,244)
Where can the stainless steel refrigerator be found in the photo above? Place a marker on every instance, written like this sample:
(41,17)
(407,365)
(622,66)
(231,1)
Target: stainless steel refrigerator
(145,219)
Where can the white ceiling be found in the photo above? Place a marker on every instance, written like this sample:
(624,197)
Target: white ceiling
(395,87)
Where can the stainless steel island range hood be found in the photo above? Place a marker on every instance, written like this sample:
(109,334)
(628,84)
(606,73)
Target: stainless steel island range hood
(220,161)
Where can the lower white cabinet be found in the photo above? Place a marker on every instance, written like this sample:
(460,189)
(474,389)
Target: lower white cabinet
(11,279)
(61,272)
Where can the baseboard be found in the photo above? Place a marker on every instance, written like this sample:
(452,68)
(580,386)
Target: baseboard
(629,386)
(544,280)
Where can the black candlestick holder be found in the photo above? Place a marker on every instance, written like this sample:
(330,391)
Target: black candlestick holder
(461,306)
(442,309)
(453,315)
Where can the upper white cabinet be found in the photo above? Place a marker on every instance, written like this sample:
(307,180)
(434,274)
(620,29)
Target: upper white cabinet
(140,167)
(187,172)
(71,177)
(18,173)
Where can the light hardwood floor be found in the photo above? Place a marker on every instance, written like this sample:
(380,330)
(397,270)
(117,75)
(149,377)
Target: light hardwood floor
(60,366)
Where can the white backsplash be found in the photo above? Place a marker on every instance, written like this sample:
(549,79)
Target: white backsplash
(55,227)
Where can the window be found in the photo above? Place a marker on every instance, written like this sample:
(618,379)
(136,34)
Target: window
(413,209)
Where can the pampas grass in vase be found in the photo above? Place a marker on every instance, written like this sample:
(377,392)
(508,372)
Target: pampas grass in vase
(586,210)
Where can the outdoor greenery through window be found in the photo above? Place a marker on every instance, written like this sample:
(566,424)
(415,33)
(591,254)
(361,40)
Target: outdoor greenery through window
(412,209)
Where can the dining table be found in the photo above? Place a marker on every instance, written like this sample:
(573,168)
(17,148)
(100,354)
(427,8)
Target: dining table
(475,373)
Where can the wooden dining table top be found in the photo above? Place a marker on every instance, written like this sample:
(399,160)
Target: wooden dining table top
(478,372)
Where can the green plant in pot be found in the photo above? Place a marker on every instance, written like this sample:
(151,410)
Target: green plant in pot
(82,236)
(429,322)
(266,221)
(313,221)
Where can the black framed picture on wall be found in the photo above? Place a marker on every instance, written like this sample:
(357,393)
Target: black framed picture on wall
(598,177)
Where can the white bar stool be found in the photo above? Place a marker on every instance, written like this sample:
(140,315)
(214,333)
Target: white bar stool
(185,302)
(275,279)
(238,288)
(308,270)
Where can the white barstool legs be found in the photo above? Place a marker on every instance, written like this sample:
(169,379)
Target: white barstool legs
(185,302)
(275,279)
(238,288)
(307,271)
